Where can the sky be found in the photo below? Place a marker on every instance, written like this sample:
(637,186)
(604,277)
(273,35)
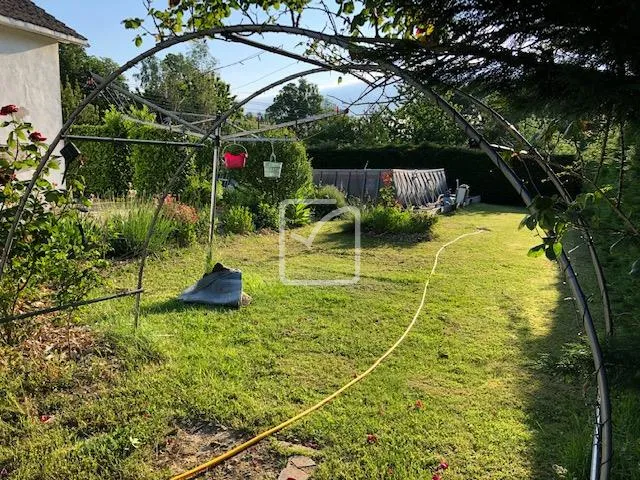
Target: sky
(101,23)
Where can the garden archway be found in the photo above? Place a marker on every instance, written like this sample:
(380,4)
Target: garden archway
(603,435)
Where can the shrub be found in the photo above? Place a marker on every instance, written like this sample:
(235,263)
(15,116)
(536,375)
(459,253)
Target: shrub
(267,216)
(238,195)
(197,190)
(128,232)
(49,251)
(153,165)
(393,220)
(328,192)
(298,214)
(105,166)
(184,217)
(238,219)
(294,180)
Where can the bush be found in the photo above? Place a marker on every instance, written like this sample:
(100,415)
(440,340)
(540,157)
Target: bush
(298,214)
(185,219)
(105,166)
(128,232)
(393,220)
(267,216)
(153,166)
(294,181)
(238,195)
(328,192)
(467,165)
(238,219)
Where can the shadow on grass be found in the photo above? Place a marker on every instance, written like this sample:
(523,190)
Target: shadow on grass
(174,305)
(559,413)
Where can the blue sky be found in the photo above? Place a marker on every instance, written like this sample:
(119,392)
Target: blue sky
(101,23)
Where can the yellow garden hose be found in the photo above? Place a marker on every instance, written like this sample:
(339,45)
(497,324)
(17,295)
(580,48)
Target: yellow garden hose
(249,443)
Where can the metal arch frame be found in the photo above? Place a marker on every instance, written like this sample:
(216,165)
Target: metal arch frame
(564,194)
(603,440)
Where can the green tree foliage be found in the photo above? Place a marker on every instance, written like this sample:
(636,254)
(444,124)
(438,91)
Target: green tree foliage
(76,66)
(185,83)
(72,96)
(296,101)
(374,129)
(418,120)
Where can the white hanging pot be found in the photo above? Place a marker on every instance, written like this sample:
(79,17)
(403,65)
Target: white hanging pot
(272,168)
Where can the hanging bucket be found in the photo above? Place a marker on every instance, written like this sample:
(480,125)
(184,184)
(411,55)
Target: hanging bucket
(272,168)
(235,160)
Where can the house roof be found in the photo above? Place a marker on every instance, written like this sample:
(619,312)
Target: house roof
(26,15)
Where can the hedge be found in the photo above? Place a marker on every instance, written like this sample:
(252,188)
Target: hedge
(104,166)
(469,166)
(153,166)
(108,167)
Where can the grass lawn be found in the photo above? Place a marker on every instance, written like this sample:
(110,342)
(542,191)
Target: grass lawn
(466,385)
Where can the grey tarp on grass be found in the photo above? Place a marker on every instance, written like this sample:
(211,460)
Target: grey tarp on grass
(223,286)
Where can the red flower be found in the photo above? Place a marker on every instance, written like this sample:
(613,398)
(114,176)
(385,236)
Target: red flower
(436,476)
(387,178)
(8,109)
(37,137)
(419,405)
(443,465)
(371,438)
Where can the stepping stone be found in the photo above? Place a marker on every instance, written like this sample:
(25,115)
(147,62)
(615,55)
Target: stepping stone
(301,461)
(298,467)
(291,472)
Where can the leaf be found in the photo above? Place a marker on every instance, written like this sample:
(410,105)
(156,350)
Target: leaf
(138,40)
(536,251)
(557,248)
(550,252)
(131,23)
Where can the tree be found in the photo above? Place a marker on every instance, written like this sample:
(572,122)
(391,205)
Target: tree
(296,101)
(185,83)
(418,120)
(76,67)
(72,96)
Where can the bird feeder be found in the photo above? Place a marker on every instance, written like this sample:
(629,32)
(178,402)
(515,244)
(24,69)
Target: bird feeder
(272,168)
(235,160)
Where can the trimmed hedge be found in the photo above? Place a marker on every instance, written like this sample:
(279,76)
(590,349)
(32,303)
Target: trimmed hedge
(153,166)
(108,167)
(104,166)
(472,167)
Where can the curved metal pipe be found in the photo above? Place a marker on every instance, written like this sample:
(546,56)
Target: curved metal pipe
(564,194)
(565,265)
(440,102)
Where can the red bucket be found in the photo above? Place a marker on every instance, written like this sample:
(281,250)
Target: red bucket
(235,160)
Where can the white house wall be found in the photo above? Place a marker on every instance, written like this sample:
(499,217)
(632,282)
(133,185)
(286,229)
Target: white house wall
(31,79)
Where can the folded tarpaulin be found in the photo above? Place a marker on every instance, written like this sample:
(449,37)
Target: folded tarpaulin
(223,286)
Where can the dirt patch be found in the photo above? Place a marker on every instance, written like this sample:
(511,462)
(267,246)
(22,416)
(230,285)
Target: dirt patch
(188,447)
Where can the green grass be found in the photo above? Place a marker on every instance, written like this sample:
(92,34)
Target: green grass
(473,360)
